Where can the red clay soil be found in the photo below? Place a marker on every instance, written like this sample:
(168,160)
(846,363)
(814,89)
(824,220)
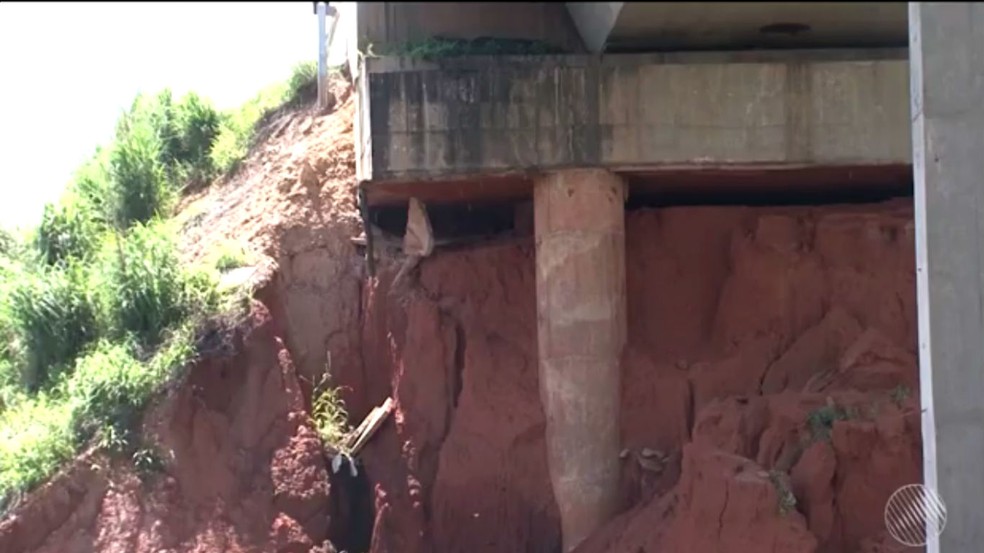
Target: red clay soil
(814,306)
(746,325)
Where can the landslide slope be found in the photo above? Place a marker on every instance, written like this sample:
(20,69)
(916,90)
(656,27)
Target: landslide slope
(770,363)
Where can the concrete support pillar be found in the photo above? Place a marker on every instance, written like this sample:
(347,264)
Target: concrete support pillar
(946,52)
(579,219)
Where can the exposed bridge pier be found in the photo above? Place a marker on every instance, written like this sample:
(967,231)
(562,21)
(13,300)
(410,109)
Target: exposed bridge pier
(580,288)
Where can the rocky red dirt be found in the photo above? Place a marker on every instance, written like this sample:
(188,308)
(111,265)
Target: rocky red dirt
(769,386)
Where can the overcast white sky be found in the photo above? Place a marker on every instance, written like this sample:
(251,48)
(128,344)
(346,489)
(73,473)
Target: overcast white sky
(67,71)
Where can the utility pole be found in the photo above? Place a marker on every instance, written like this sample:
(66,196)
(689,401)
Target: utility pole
(324,42)
(322,54)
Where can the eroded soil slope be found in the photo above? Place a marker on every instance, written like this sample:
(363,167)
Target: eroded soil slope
(771,353)
(770,363)
(244,471)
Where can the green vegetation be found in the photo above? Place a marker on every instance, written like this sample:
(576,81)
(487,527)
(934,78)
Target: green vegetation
(97,313)
(236,134)
(899,394)
(821,421)
(52,317)
(231,255)
(148,462)
(439,47)
(328,415)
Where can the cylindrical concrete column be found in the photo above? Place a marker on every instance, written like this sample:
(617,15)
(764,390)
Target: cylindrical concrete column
(580,288)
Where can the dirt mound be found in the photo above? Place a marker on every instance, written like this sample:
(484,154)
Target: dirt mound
(294,201)
(769,385)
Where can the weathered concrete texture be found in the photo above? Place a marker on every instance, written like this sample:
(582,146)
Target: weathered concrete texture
(608,26)
(383,24)
(947,45)
(579,220)
(634,112)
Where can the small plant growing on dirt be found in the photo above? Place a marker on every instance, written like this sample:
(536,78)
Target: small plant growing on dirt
(328,415)
(786,498)
(302,86)
(147,462)
(231,255)
(821,421)
(900,393)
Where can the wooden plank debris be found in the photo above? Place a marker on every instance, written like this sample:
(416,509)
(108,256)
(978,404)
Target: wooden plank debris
(357,439)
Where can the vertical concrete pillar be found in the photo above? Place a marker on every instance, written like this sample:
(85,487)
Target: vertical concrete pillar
(579,219)
(946,53)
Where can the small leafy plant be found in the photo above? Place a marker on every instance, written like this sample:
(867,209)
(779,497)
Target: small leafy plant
(821,421)
(329,416)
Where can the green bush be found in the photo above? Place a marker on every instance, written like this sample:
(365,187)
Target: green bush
(164,117)
(144,286)
(92,189)
(8,243)
(66,231)
(52,315)
(102,397)
(97,313)
(200,124)
(302,86)
(186,129)
(107,390)
(35,440)
(138,186)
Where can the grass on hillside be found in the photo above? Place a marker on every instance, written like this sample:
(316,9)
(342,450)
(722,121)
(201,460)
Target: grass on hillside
(229,255)
(97,313)
(237,129)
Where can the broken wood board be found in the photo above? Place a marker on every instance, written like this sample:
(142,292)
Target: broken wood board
(358,438)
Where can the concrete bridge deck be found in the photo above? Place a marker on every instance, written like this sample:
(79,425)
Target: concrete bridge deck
(503,118)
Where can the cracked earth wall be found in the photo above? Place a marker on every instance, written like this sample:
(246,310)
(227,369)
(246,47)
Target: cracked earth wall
(744,325)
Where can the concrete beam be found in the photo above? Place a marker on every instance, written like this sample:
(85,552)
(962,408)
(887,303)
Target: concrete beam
(595,21)
(387,24)
(947,52)
(626,113)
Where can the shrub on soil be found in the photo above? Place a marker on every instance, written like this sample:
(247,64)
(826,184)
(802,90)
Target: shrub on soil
(97,313)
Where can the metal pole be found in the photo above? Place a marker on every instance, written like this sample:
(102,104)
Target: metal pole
(322,54)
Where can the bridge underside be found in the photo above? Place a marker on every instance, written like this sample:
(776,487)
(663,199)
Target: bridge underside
(479,129)
(650,26)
